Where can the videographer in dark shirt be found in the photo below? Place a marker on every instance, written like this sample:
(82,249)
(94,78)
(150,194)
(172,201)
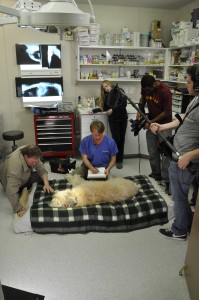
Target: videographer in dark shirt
(158,98)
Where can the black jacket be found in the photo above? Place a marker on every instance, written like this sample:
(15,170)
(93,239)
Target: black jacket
(118,106)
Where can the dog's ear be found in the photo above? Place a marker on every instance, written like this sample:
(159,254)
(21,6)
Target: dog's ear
(71,199)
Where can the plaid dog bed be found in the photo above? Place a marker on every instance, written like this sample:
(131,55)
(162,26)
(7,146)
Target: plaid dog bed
(146,209)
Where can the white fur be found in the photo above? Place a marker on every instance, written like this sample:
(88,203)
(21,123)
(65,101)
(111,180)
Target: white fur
(83,192)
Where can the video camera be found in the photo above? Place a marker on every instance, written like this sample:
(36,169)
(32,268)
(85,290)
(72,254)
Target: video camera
(137,125)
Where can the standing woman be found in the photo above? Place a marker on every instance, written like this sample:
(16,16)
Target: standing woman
(115,108)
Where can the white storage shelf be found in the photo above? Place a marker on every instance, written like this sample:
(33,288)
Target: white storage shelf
(178,59)
(96,63)
(168,69)
(180,101)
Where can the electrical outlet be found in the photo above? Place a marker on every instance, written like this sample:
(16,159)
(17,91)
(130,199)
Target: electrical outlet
(69,36)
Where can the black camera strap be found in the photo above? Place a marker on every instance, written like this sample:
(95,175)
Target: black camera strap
(182,120)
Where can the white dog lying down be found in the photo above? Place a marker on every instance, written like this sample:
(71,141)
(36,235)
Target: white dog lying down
(83,192)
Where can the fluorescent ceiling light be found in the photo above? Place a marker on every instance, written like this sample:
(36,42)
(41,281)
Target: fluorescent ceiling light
(61,14)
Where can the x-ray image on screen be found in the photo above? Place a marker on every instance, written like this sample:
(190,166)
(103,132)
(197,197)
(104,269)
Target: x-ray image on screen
(42,56)
(39,87)
(51,56)
(28,54)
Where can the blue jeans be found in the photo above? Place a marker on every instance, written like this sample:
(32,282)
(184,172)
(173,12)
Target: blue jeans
(195,185)
(180,181)
(159,163)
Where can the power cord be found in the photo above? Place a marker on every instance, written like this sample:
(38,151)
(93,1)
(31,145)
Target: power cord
(139,154)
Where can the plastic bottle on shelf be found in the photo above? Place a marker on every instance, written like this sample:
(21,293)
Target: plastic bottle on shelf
(122,72)
(108,39)
(101,40)
(88,103)
(193,57)
(128,74)
(144,39)
(92,102)
(83,101)
(162,60)
(148,59)
(156,59)
(116,39)
(122,40)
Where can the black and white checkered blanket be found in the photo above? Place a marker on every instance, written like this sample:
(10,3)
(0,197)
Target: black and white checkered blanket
(146,209)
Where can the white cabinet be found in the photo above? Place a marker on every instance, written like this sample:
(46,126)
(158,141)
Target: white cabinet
(131,147)
(86,118)
(96,63)
(131,141)
(143,144)
(178,59)
(135,145)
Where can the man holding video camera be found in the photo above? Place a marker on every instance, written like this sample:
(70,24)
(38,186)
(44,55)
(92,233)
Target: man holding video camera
(158,98)
(184,166)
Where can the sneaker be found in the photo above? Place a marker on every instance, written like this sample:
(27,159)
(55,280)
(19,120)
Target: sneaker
(119,165)
(162,182)
(156,177)
(168,233)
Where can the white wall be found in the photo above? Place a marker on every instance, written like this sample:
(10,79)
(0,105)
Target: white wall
(112,19)
(185,12)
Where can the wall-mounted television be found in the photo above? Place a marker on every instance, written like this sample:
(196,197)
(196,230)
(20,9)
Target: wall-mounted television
(39,91)
(38,56)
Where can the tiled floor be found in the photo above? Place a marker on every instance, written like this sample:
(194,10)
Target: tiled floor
(139,265)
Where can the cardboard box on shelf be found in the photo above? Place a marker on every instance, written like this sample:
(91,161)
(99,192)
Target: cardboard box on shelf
(185,35)
(156,25)
(156,29)
(185,24)
(81,31)
(95,31)
(95,26)
(156,34)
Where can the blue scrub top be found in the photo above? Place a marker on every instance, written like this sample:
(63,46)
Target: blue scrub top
(98,155)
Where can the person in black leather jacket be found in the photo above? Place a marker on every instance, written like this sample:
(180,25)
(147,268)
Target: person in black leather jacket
(115,108)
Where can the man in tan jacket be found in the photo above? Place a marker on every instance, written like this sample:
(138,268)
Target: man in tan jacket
(17,175)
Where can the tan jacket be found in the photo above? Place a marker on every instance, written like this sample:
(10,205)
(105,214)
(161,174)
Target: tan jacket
(14,174)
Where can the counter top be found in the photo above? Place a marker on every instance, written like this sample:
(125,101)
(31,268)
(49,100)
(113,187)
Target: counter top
(88,111)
